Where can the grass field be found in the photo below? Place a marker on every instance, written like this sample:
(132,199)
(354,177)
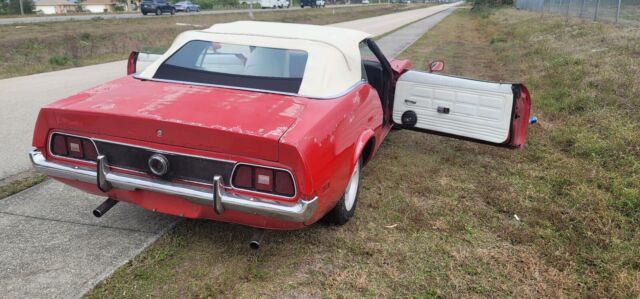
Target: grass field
(437,216)
(36,48)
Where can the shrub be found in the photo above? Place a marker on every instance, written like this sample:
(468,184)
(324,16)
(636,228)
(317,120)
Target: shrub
(492,2)
(13,7)
(58,60)
(210,4)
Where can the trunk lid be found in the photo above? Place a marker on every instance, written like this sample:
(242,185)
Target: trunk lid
(207,118)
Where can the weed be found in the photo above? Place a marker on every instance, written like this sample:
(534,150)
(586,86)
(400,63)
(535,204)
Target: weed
(17,183)
(58,60)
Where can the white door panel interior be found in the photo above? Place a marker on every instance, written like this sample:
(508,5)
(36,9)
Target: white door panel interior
(468,108)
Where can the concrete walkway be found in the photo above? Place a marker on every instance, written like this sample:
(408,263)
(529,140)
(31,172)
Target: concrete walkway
(50,244)
(394,44)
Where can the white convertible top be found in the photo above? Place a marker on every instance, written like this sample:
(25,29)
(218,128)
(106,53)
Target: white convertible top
(333,63)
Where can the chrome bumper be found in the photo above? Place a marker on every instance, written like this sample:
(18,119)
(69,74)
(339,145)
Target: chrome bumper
(217,197)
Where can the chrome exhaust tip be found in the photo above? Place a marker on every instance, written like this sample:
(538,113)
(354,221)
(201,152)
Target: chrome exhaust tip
(256,239)
(104,207)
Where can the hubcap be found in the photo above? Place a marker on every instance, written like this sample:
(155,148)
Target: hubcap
(352,188)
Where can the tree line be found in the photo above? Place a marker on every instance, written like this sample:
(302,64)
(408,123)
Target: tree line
(9,7)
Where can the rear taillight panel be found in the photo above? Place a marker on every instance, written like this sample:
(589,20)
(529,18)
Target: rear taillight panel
(262,179)
(74,147)
(249,177)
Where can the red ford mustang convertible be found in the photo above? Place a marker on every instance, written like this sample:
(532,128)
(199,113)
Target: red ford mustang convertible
(262,124)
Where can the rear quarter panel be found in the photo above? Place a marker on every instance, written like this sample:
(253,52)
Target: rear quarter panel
(325,137)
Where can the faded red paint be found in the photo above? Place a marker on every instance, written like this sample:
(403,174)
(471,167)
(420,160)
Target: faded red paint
(315,139)
(399,66)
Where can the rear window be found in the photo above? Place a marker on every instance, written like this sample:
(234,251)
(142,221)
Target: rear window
(241,66)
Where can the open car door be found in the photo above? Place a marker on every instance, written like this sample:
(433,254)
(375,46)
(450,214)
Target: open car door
(486,112)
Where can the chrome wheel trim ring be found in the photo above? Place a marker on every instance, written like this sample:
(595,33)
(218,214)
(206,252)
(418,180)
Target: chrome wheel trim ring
(352,188)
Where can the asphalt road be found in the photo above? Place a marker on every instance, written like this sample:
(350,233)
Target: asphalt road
(61,18)
(51,245)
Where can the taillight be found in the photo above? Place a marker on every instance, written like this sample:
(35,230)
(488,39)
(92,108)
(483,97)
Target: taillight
(59,145)
(263,179)
(90,152)
(243,176)
(131,63)
(73,147)
(284,184)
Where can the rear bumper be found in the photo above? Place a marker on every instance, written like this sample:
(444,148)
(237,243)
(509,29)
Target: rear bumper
(217,197)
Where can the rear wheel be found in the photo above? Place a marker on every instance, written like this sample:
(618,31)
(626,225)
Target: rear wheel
(346,206)
(144,13)
(158,11)
(173,11)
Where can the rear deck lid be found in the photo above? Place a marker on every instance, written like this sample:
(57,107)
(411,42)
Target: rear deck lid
(206,118)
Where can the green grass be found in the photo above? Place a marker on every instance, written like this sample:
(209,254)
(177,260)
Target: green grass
(17,183)
(436,215)
(36,48)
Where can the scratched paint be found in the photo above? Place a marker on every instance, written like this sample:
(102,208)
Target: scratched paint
(242,112)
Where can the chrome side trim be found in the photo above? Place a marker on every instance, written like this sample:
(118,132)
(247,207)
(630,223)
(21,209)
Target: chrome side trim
(346,91)
(218,197)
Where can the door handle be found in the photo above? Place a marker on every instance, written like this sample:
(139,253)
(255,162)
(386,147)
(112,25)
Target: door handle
(412,102)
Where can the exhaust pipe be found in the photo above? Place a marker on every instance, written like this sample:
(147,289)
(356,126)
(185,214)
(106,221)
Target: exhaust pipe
(256,239)
(104,207)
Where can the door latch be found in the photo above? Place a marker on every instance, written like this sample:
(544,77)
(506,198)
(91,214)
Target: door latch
(444,110)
